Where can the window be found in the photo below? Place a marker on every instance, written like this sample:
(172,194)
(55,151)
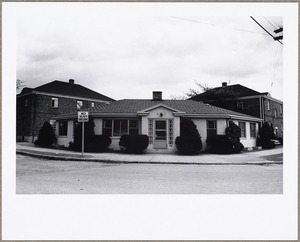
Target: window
(107,127)
(54,102)
(242,126)
(280,109)
(118,127)
(133,127)
(268,104)
(275,113)
(252,130)
(63,128)
(92,104)
(211,127)
(240,105)
(26,102)
(79,104)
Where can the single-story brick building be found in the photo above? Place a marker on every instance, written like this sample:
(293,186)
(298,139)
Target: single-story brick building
(160,120)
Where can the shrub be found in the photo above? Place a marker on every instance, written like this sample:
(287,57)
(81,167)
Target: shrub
(97,143)
(222,144)
(92,142)
(233,132)
(134,143)
(266,133)
(188,145)
(265,143)
(46,137)
(189,142)
(188,128)
(228,143)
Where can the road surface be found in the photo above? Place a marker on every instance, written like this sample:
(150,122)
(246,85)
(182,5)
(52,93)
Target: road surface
(40,176)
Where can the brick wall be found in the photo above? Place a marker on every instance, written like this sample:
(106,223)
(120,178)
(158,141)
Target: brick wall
(270,115)
(248,106)
(24,116)
(38,110)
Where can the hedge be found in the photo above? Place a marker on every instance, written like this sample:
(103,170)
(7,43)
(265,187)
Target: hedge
(221,144)
(265,143)
(134,143)
(94,143)
(188,145)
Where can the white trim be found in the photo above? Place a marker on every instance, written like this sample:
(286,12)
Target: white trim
(257,96)
(273,99)
(245,118)
(113,115)
(157,106)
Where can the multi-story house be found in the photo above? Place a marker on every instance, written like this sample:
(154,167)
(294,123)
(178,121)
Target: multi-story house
(40,104)
(245,100)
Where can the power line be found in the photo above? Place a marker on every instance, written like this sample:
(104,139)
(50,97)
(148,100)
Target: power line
(275,22)
(275,38)
(270,22)
(215,25)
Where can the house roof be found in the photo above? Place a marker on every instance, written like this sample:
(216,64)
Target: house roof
(231,91)
(188,107)
(68,89)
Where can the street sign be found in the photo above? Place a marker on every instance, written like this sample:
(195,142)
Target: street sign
(83,116)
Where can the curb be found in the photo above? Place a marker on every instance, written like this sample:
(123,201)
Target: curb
(66,158)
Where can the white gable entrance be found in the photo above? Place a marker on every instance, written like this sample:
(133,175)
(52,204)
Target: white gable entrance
(162,124)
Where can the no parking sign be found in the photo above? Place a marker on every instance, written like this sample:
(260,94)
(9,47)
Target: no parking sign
(83,116)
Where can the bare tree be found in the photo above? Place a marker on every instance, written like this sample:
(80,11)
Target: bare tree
(19,85)
(201,88)
(174,97)
(193,92)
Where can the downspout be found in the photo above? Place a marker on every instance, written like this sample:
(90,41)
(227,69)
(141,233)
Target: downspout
(260,109)
(263,110)
(34,116)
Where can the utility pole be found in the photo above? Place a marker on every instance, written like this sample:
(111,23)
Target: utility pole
(276,31)
(276,38)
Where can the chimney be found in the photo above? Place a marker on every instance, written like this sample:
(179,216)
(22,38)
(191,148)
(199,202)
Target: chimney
(71,81)
(157,96)
(224,84)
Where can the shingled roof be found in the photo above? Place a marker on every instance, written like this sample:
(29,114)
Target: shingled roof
(131,107)
(187,106)
(232,91)
(69,89)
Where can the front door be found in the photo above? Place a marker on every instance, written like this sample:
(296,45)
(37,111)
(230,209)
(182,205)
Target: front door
(160,140)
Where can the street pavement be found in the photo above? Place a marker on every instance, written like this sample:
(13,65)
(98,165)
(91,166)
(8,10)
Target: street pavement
(257,157)
(41,176)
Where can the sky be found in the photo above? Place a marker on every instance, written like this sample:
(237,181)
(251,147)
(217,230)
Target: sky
(126,51)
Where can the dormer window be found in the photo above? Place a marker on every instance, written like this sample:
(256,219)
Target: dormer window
(79,105)
(240,105)
(54,102)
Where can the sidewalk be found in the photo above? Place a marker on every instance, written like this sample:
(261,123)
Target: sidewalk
(259,157)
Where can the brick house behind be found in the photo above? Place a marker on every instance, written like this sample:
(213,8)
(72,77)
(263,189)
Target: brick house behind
(37,105)
(245,100)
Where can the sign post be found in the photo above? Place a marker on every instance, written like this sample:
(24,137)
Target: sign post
(83,117)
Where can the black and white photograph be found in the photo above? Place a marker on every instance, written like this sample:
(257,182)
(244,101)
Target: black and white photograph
(156,108)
